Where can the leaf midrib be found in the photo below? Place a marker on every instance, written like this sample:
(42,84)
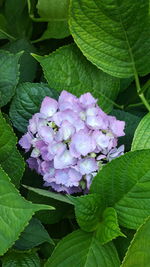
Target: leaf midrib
(127,41)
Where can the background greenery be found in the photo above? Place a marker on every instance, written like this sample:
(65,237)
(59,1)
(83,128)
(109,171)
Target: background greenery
(97,46)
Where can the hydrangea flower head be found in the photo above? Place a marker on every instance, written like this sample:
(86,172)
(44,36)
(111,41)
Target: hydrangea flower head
(69,140)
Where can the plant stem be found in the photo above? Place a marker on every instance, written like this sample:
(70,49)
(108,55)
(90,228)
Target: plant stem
(145,86)
(141,95)
(134,105)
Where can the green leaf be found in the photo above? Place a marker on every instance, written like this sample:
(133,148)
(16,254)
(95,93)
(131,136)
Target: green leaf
(33,235)
(141,138)
(88,210)
(108,229)
(113,35)
(62,210)
(18,22)
(9,70)
(57,18)
(83,249)
(56,14)
(28,65)
(91,216)
(53,10)
(138,251)
(131,123)
(15,212)
(67,69)
(16,258)
(3,28)
(10,158)
(125,83)
(55,29)
(27,101)
(122,243)
(14,166)
(124,184)
(47,193)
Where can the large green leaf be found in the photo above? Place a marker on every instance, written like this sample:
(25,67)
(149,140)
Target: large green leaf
(141,138)
(91,216)
(62,210)
(27,101)
(67,69)
(88,210)
(3,28)
(124,184)
(55,29)
(27,74)
(15,212)
(18,22)
(53,10)
(56,13)
(138,253)
(10,158)
(9,70)
(114,35)
(14,166)
(50,194)
(82,249)
(33,235)
(16,258)
(108,228)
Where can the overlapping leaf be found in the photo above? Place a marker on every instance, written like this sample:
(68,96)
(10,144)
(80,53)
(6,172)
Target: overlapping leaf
(33,235)
(19,24)
(15,212)
(141,138)
(124,184)
(138,252)
(50,194)
(114,35)
(92,216)
(62,209)
(82,249)
(28,64)
(67,69)
(57,18)
(9,75)
(27,102)
(21,259)
(10,158)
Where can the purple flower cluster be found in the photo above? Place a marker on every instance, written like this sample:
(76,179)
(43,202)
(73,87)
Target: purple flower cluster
(70,139)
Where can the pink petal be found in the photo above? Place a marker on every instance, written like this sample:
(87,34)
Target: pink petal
(92,111)
(87,165)
(35,163)
(56,148)
(87,100)
(46,133)
(116,126)
(64,160)
(46,166)
(74,176)
(81,143)
(36,121)
(49,106)
(25,141)
(67,130)
(62,188)
(102,140)
(69,101)
(96,122)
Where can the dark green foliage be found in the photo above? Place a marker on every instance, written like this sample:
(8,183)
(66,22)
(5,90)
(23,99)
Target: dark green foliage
(96,46)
